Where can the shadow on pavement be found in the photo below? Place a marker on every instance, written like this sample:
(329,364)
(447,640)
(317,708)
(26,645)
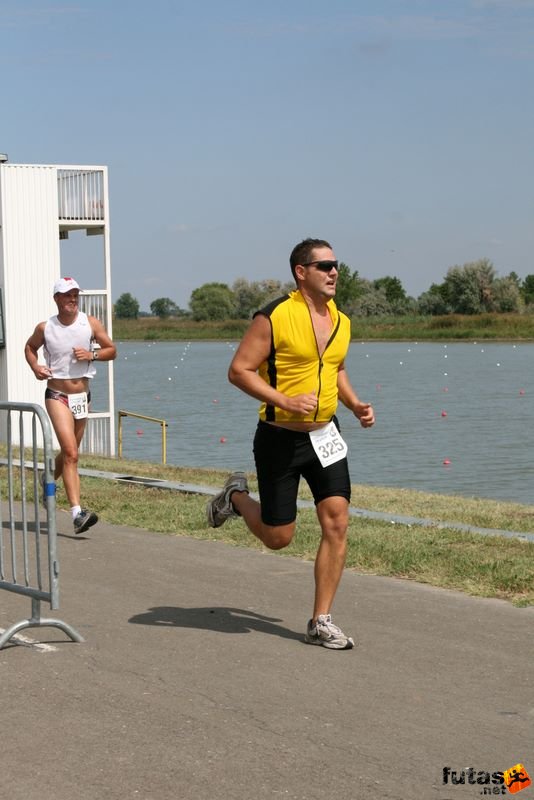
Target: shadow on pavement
(30,527)
(225,620)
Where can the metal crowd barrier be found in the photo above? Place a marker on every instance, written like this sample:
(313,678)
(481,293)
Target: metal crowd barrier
(28,546)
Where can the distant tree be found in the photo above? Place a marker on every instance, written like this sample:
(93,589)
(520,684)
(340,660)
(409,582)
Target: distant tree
(212,301)
(372,302)
(469,289)
(507,295)
(271,289)
(392,287)
(434,301)
(348,289)
(164,307)
(408,305)
(527,289)
(126,307)
(250,296)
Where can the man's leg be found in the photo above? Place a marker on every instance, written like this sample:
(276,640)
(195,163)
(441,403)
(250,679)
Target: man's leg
(329,563)
(278,481)
(273,536)
(333,513)
(79,429)
(69,433)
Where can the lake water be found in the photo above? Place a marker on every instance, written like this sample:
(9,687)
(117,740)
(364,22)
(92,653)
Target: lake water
(468,404)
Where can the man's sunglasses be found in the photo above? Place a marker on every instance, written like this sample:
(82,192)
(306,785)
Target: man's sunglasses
(324,266)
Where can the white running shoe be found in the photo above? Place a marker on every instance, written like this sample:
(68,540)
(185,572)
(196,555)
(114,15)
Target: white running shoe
(326,634)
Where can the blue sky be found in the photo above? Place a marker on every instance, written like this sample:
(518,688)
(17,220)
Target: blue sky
(400,130)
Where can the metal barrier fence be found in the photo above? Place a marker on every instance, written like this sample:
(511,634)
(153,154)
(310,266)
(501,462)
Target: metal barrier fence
(28,546)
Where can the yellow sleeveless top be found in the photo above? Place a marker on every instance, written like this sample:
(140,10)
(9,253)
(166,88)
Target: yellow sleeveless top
(294,365)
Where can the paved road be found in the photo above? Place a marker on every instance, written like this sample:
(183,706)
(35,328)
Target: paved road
(194,683)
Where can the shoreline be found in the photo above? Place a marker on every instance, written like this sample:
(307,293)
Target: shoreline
(356,340)
(503,328)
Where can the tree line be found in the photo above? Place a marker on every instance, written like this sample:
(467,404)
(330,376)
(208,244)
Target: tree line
(473,288)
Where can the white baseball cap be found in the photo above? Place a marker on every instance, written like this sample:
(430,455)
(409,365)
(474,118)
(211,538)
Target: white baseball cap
(65,285)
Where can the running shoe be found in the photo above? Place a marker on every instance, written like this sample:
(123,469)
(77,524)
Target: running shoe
(220,508)
(326,634)
(84,520)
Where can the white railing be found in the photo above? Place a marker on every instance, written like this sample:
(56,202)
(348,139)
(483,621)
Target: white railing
(97,439)
(94,303)
(81,194)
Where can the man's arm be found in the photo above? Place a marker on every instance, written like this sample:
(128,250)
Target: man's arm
(31,353)
(243,372)
(363,411)
(107,351)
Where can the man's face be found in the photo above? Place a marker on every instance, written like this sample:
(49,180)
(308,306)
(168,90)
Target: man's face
(67,301)
(319,274)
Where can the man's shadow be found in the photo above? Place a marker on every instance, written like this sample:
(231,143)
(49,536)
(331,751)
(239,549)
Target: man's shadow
(30,527)
(221,619)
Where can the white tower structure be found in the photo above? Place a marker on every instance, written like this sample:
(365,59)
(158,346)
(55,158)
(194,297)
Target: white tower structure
(39,206)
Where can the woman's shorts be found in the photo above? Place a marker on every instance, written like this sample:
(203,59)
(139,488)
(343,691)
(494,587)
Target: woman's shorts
(282,457)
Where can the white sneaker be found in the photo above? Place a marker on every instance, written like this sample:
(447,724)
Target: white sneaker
(326,634)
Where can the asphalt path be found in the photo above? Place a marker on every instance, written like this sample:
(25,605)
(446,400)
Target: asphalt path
(194,683)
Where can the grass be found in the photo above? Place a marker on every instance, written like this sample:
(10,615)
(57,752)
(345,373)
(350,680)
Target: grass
(485,566)
(450,327)
(176,329)
(478,512)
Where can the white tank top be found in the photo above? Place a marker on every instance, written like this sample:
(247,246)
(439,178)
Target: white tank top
(59,343)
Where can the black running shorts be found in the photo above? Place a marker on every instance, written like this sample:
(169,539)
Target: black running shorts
(282,457)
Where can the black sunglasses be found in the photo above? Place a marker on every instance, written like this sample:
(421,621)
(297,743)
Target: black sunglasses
(324,266)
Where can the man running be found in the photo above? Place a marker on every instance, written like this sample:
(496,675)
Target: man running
(292,359)
(72,342)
